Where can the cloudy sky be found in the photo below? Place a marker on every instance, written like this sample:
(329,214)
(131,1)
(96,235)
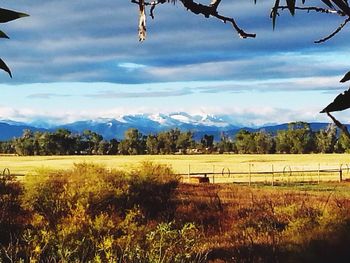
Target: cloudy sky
(74,60)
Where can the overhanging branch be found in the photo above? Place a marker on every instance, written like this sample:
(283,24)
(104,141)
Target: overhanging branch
(211,10)
(142,21)
(315,9)
(196,8)
(342,25)
(339,125)
(318,10)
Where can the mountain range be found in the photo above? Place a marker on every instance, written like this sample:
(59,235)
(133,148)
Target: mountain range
(146,124)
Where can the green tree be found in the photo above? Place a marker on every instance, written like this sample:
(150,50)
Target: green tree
(184,141)
(326,139)
(133,143)
(64,142)
(283,142)
(163,143)
(207,142)
(264,142)
(7,147)
(48,144)
(123,147)
(245,142)
(113,147)
(25,144)
(343,144)
(168,141)
(103,148)
(152,144)
(90,142)
(303,140)
(225,144)
(299,138)
(172,138)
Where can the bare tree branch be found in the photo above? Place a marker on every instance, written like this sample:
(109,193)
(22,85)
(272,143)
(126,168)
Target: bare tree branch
(142,21)
(319,10)
(211,10)
(342,25)
(196,8)
(339,125)
(316,9)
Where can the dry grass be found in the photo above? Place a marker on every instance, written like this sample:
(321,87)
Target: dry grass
(182,163)
(247,224)
(221,222)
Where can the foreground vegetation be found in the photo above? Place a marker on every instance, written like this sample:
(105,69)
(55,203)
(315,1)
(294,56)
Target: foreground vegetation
(89,213)
(299,138)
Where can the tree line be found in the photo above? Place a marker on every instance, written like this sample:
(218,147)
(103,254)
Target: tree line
(298,138)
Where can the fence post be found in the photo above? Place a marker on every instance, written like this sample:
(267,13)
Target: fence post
(340,173)
(273,175)
(302,172)
(250,174)
(318,173)
(189,172)
(213,174)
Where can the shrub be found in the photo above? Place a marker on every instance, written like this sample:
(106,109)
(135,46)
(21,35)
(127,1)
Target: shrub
(46,194)
(13,216)
(168,244)
(152,189)
(91,213)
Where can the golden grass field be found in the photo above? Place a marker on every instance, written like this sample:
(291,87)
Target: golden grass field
(184,163)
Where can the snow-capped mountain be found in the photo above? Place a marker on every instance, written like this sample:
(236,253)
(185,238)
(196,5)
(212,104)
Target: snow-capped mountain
(116,127)
(146,123)
(152,123)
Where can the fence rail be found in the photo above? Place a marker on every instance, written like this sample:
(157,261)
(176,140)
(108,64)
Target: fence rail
(284,176)
(273,177)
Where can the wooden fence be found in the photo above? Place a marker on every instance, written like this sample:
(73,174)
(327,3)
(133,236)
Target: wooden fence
(287,175)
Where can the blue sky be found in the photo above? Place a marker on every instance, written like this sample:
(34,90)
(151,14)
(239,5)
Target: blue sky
(74,60)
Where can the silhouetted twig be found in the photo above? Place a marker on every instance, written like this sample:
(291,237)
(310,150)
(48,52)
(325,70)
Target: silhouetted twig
(196,8)
(316,9)
(334,33)
(339,125)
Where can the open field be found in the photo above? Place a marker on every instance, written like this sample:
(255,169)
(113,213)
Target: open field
(182,164)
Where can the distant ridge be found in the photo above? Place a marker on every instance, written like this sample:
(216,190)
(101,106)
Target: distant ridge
(147,124)
(15,129)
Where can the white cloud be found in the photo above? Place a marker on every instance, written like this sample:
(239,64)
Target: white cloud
(90,41)
(131,66)
(61,37)
(250,116)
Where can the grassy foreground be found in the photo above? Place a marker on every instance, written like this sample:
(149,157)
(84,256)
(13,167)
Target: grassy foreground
(181,163)
(91,214)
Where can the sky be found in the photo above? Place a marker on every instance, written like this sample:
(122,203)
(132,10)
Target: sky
(79,60)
